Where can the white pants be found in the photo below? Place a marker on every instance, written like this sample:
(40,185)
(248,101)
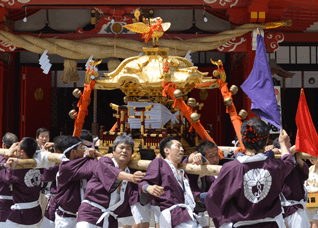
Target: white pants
(312,214)
(86,225)
(127,221)
(9,224)
(142,214)
(298,219)
(188,224)
(203,221)
(63,222)
(46,223)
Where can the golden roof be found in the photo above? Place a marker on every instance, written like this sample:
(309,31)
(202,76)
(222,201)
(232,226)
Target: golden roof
(142,76)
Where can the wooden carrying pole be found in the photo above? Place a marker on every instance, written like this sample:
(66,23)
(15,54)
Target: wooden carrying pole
(207,170)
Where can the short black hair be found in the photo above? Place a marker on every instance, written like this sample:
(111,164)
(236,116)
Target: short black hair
(166,142)
(58,142)
(29,145)
(69,141)
(8,139)
(86,135)
(205,145)
(276,143)
(40,130)
(261,129)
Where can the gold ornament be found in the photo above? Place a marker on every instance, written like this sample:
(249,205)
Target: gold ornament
(192,102)
(194,117)
(73,114)
(203,94)
(77,93)
(39,94)
(228,101)
(233,89)
(177,94)
(243,114)
(215,73)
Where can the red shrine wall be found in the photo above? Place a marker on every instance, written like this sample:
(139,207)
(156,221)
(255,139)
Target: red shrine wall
(213,111)
(8,94)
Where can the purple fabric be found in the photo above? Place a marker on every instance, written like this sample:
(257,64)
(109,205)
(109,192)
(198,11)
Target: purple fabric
(69,182)
(160,173)
(98,191)
(21,179)
(227,202)
(49,175)
(293,188)
(259,87)
(4,191)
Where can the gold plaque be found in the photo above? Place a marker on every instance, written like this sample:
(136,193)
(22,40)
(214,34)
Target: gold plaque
(203,94)
(39,94)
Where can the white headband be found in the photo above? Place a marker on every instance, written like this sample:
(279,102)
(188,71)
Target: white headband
(72,147)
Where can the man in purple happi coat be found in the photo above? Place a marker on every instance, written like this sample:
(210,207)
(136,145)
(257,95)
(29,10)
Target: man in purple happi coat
(246,192)
(26,185)
(168,187)
(207,154)
(49,176)
(293,193)
(112,189)
(6,199)
(73,172)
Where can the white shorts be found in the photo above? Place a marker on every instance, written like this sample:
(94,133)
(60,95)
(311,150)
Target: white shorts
(298,219)
(141,213)
(156,213)
(187,224)
(85,225)
(9,224)
(203,221)
(312,214)
(46,223)
(64,222)
(127,221)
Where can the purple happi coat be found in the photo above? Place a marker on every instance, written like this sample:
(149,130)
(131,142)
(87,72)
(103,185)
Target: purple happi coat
(293,188)
(160,173)
(26,184)
(5,191)
(99,190)
(49,175)
(249,190)
(69,182)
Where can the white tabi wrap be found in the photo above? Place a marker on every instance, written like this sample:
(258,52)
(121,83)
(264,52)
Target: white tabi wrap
(189,204)
(22,206)
(113,204)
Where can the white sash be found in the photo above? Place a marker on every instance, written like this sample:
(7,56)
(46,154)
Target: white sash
(67,212)
(21,206)
(278,219)
(165,216)
(112,208)
(6,197)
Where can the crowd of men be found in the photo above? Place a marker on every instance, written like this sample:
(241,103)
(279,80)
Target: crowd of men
(89,190)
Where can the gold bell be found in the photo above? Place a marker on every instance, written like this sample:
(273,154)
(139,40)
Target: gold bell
(192,102)
(177,94)
(194,117)
(216,73)
(233,89)
(77,93)
(243,114)
(73,114)
(219,61)
(125,99)
(228,101)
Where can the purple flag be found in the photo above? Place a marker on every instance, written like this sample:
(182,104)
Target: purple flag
(259,87)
